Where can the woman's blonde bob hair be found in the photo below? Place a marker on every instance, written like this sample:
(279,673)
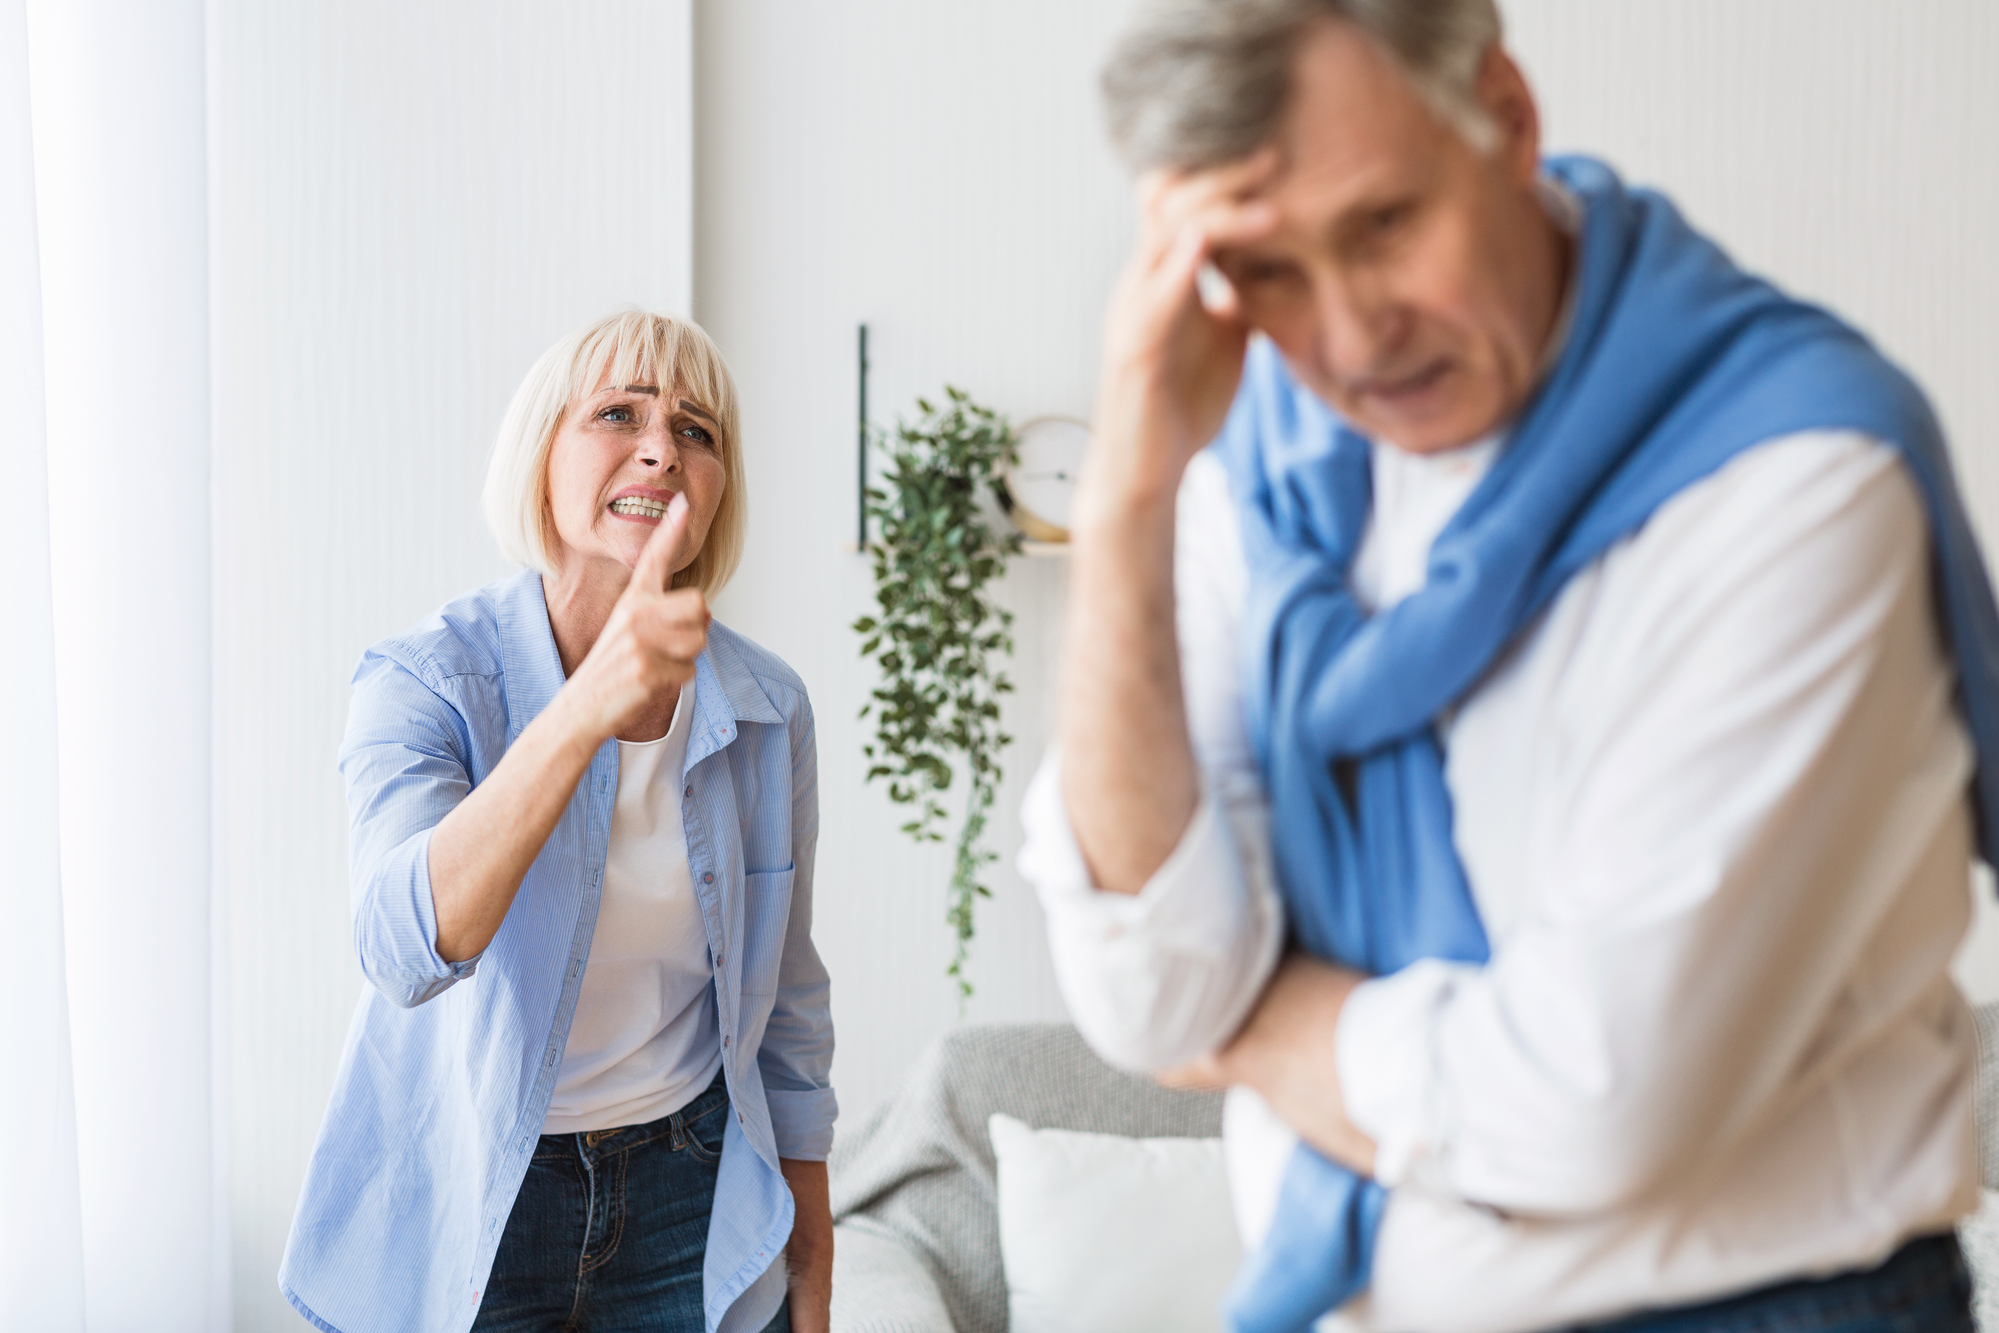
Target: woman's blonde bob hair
(634,347)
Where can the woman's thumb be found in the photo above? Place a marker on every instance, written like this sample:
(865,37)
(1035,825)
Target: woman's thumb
(655,567)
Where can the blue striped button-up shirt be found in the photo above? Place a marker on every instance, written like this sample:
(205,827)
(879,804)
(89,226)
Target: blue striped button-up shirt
(449,1067)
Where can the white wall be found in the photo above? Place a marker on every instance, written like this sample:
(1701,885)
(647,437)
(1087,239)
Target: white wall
(935,170)
(409,203)
(939,171)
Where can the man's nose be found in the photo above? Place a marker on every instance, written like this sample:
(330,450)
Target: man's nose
(1361,326)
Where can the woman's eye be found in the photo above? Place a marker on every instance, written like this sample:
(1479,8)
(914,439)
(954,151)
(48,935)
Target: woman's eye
(617,416)
(697,433)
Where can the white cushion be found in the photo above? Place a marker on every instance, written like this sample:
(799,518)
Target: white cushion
(1102,1233)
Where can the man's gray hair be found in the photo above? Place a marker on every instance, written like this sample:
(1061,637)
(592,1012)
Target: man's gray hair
(1195,83)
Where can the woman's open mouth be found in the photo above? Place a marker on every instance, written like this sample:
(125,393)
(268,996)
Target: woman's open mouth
(639,507)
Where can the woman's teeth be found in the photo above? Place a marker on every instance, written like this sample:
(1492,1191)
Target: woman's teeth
(639,507)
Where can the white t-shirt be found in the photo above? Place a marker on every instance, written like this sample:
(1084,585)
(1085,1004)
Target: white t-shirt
(645,1041)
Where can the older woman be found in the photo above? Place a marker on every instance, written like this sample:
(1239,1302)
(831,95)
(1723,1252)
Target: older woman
(589,1088)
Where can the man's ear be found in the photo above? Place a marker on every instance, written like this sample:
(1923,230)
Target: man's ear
(1511,110)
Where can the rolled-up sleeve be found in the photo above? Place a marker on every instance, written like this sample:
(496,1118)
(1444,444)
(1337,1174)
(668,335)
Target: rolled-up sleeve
(404,762)
(1161,977)
(796,1058)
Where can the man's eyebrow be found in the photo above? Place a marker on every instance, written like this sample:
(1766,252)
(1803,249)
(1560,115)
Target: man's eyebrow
(698,411)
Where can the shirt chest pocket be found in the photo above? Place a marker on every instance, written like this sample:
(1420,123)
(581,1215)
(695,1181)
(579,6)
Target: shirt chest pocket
(766,919)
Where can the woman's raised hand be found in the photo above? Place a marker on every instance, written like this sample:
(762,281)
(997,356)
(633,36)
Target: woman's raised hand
(649,644)
(480,852)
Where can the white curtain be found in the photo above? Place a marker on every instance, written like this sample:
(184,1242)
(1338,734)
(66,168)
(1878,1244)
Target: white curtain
(41,1244)
(269,270)
(114,1214)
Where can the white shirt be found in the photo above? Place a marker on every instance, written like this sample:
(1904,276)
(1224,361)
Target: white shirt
(645,1041)
(1713,811)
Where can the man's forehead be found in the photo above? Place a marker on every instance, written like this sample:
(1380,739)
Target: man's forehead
(1354,123)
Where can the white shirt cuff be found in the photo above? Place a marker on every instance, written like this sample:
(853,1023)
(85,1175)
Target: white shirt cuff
(1163,976)
(1385,1054)
(1178,910)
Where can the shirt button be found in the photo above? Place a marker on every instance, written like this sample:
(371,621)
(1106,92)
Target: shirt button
(720,959)
(725,1041)
(708,878)
(689,793)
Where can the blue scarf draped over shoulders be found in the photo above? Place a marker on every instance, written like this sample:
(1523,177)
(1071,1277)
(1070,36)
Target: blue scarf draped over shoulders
(1675,362)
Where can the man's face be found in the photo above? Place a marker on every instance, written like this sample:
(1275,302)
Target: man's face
(1411,280)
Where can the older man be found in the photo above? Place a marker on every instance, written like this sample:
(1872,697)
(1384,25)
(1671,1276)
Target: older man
(1552,813)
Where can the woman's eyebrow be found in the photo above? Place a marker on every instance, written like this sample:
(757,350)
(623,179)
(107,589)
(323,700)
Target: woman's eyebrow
(697,410)
(652,389)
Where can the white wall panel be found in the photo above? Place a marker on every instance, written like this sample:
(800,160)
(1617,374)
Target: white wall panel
(939,171)
(411,201)
(935,170)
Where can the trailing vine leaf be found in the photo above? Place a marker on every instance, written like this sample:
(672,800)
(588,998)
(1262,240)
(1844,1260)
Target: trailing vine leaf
(937,636)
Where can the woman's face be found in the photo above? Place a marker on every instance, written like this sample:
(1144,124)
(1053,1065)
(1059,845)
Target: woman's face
(620,455)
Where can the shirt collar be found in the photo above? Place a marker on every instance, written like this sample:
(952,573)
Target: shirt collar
(530,666)
(726,695)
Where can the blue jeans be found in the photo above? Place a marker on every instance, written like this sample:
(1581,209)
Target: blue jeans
(608,1232)
(1921,1288)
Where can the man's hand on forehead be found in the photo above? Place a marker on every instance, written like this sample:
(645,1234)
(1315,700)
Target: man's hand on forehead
(1193,215)
(1177,197)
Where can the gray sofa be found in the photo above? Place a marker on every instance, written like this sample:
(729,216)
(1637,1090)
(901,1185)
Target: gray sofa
(915,1203)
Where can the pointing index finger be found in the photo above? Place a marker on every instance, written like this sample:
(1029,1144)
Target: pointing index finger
(654,571)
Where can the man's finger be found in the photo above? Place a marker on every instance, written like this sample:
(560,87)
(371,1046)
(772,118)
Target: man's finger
(654,570)
(1169,196)
(1197,237)
(1177,279)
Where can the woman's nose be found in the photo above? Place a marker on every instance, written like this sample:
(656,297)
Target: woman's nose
(657,449)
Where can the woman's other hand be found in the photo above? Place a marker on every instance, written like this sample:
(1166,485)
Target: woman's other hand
(808,1255)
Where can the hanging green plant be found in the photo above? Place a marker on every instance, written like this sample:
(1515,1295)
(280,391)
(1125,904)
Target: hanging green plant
(937,635)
